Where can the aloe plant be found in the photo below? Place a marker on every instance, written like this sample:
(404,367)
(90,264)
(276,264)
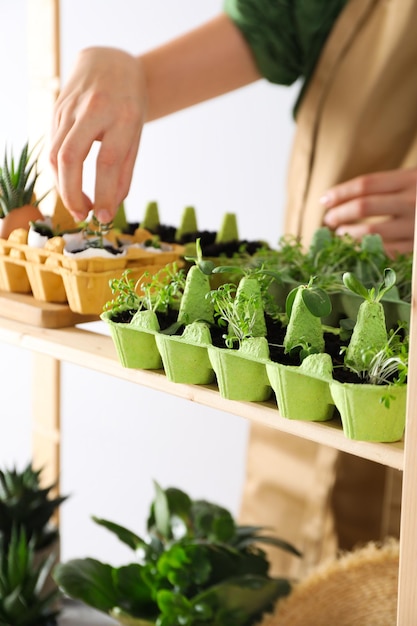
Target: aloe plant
(197,566)
(25,504)
(22,598)
(18,177)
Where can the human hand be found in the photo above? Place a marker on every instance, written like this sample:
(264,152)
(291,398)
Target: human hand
(104,100)
(387,198)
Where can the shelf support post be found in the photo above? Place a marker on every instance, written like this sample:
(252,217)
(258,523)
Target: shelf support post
(46,435)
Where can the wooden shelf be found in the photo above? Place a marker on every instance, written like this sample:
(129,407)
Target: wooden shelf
(96,351)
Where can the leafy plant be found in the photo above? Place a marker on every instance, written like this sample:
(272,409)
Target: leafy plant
(264,276)
(390,364)
(18,177)
(329,256)
(22,598)
(196,567)
(25,504)
(240,310)
(159,292)
(95,232)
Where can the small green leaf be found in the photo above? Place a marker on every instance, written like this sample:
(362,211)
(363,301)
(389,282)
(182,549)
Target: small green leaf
(353,284)
(389,279)
(125,535)
(317,301)
(230,269)
(290,301)
(161,511)
(206,267)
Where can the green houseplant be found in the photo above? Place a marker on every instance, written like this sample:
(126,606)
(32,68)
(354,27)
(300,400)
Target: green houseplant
(373,408)
(196,567)
(23,600)
(29,546)
(327,258)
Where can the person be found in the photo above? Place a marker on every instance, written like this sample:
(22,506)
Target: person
(352,167)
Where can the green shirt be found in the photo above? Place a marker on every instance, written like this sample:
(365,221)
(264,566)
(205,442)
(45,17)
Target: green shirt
(285,36)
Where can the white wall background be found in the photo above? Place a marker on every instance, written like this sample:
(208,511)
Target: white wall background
(229,154)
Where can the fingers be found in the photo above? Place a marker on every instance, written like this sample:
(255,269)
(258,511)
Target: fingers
(370,184)
(104,101)
(115,163)
(68,153)
(365,207)
(382,203)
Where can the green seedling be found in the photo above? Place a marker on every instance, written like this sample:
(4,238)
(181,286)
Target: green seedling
(240,310)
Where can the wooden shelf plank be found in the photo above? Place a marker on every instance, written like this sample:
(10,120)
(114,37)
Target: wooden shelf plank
(96,351)
(24,308)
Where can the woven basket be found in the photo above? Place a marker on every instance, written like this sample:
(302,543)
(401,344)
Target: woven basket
(359,589)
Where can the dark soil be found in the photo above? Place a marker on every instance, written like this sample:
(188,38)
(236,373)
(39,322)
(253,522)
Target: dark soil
(208,243)
(109,248)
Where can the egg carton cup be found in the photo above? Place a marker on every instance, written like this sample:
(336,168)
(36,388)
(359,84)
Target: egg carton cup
(13,274)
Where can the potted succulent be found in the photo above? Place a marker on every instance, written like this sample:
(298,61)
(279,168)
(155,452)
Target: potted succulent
(23,599)
(27,508)
(373,408)
(196,566)
(18,205)
(25,503)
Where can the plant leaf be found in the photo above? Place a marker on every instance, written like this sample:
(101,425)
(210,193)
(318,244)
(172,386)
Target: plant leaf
(88,580)
(317,301)
(161,512)
(353,284)
(124,534)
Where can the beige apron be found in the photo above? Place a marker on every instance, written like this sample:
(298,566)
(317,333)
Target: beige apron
(358,115)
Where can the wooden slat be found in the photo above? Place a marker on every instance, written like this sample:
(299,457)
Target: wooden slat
(46,417)
(24,308)
(407,597)
(96,351)
(44,82)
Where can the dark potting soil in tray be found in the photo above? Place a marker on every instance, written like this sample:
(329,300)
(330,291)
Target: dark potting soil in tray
(208,243)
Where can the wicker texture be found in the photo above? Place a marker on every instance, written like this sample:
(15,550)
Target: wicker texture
(359,589)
